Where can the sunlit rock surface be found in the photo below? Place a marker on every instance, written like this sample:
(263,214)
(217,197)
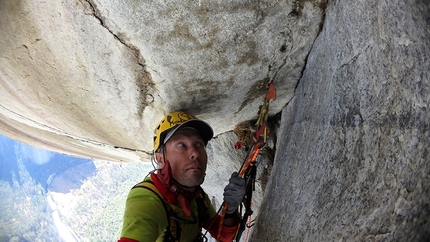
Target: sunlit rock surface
(353,151)
(93,78)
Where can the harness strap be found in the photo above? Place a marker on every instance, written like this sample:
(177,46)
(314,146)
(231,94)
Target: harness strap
(168,237)
(171,216)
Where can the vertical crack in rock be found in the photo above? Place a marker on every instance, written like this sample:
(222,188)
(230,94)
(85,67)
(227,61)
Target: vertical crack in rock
(144,80)
(296,12)
(257,90)
(323,7)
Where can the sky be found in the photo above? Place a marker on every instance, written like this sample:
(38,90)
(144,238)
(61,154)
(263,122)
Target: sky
(36,155)
(40,163)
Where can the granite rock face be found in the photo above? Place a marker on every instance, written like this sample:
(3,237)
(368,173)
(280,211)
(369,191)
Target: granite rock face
(353,151)
(92,78)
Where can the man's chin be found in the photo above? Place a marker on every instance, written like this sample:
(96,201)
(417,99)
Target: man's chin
(194,181)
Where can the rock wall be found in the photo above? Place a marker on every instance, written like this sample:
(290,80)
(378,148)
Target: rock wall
(92,78)
(353,153)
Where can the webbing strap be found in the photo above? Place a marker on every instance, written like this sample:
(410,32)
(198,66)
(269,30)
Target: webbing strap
(168,237)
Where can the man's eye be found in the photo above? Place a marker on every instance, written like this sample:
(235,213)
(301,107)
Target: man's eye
(181,145)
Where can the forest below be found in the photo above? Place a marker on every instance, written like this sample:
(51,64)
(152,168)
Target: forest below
(91,212)
(48,196)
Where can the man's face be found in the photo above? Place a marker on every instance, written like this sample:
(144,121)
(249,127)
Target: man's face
(186,152)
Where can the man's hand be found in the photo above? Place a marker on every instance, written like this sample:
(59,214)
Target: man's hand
(234,192)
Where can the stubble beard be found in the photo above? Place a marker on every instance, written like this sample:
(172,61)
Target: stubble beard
(192,180)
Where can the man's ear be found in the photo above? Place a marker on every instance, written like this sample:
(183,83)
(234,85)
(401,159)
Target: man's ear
(160,159)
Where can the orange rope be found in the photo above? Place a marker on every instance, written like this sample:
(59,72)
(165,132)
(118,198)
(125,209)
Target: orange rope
(249,228)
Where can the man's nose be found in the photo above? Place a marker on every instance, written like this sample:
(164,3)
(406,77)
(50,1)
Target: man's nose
(194,153)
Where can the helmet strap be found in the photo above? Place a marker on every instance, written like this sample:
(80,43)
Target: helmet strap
(165,173)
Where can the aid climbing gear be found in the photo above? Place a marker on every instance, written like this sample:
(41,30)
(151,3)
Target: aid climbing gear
(249,167)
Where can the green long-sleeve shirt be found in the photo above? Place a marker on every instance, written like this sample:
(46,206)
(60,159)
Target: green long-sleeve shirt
(145,217)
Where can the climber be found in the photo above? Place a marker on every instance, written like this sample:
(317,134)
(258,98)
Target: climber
(170,205)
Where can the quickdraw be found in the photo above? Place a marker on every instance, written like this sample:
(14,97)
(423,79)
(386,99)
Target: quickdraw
(249,167)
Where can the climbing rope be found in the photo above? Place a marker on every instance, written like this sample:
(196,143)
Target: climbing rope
(248,169)
(249,224)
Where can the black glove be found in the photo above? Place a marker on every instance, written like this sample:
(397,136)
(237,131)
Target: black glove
(234,192)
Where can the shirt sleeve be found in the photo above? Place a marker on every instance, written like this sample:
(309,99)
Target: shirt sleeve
(144,216)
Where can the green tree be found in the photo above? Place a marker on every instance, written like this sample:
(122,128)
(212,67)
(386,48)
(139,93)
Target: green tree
(97,216)
(23,210)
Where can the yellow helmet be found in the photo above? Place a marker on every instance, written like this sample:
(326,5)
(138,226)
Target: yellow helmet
(173,121)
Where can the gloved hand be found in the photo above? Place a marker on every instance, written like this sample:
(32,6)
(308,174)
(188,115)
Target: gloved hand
(234,192)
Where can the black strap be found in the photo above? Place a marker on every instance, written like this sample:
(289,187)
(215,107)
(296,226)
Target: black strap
(202,209)
(250,186)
